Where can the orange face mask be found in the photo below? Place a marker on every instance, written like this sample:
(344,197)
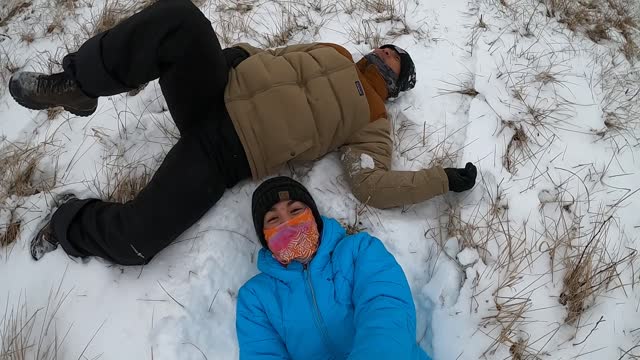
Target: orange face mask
(296,239)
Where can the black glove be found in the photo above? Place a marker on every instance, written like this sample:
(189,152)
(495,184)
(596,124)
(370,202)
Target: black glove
(234,56)
(462,179)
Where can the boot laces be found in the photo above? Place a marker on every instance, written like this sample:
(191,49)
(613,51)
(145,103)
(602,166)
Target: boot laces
(56,83)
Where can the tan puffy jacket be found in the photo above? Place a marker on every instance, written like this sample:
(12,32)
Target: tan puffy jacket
(303,101)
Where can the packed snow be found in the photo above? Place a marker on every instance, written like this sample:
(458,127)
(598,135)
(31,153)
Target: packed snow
(549,117)
(366,162)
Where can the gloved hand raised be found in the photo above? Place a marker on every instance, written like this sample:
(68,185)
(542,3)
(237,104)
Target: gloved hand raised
(462,179)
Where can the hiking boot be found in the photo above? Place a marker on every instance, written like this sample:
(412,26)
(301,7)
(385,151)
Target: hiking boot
(45,241)
(38,91)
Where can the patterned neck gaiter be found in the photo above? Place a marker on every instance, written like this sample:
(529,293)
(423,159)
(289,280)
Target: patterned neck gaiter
(390,77)
(297,239)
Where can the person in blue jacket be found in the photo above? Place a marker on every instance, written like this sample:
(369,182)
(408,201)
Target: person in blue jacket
(321,294)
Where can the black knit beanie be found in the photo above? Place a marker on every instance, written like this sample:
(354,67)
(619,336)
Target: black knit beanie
(407,78)
(273,191)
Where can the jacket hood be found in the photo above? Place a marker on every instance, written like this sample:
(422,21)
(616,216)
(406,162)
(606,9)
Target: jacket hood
(332,234)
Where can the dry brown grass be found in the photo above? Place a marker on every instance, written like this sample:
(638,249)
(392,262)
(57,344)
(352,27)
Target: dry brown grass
(517,148)
(464,85)
(232,25)
(28,36)
(111,14)
(630,49)
(408,138)
(17,328)
(8,66)
(507,319)
(620,107)
(560,225)
(11,9)
(284,32)
(384,10)
(52,113)
(413,142)
(241,7)
(598,33)
(393,11)
(509,253)
(356,226)
(375,12)
(284,28)
(68,5)
(367,32)
(445,155)
(62,9)
(476,32)
(598,19)
(486,224)
(20,184)
(32,333)
(590,271)
(123,183)
(55,25)
(128,185)
(49,62)
(379,6)
(518,350)
(536,113)
(509,313)
(530,78)
(21,176)
(9,232)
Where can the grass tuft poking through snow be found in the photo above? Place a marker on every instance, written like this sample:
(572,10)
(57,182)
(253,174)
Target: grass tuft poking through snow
(21,176)
(591,271)
(10,231)
(34,334)
(541,95)
(599,20)
(12,8)
(123,183)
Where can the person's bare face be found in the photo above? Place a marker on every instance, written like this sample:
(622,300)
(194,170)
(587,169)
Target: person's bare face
(390,57)
(282,212)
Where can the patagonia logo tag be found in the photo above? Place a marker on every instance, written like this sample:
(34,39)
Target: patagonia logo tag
(359,87)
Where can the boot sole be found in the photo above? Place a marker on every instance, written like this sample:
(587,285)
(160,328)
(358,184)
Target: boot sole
(41,106)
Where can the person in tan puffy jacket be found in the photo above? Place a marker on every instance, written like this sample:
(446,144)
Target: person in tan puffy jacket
(242,112)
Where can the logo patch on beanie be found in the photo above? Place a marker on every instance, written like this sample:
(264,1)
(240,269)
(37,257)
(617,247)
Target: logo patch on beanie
(283,195)
(359,87)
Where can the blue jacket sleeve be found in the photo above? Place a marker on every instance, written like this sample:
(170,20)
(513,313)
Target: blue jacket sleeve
(385,318)
(257,338)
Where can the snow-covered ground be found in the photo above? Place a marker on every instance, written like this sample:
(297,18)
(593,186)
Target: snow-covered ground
(537,261)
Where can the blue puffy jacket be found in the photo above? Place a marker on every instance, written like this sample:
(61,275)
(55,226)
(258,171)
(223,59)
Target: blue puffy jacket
(351,302)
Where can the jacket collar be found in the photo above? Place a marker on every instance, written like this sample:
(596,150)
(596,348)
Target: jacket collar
(332,234)
(373,77)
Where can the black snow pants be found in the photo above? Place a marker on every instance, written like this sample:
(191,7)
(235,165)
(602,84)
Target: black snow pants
(173,41)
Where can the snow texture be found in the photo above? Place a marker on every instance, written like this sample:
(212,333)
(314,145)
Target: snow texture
(552,170)
(366,162)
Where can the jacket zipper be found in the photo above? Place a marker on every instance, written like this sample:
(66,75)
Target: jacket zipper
(317,317)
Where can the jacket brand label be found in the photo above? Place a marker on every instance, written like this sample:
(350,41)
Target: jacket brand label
(359,87)
(283,195)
